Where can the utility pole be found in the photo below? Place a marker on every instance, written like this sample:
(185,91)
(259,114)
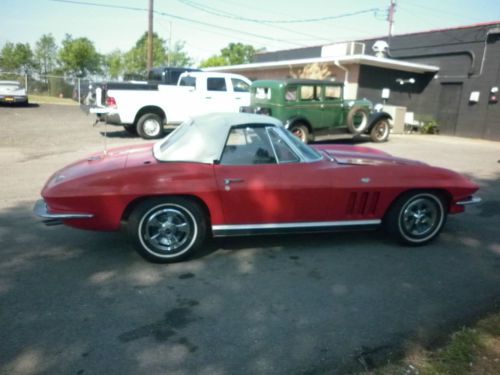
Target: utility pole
(150,35)
(390,19)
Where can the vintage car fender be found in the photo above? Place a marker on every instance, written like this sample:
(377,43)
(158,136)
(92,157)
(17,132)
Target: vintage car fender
(375,117)
(293,120)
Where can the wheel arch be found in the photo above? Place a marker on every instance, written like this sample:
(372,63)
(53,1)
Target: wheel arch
(299,119)
(150,109)
(376,117)
(136,202)
(442,192)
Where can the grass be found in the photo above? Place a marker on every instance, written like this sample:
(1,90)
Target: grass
(471,351)
(42,99)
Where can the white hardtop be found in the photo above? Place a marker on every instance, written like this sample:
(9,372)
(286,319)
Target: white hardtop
(214,75)
(202,138)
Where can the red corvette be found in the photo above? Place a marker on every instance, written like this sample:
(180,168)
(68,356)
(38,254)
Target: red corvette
(244,174)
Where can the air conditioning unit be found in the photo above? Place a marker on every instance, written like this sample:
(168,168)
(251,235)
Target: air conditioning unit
(343,49)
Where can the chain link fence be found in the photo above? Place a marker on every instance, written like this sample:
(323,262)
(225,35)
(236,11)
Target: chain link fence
(51,85)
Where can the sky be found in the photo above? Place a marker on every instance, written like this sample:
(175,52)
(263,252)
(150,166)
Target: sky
(207,26)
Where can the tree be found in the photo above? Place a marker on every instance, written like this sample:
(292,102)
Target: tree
(114,64)
(79,56)
(46,53)
(176,55)
(17,58)
(135,60)
(233,54)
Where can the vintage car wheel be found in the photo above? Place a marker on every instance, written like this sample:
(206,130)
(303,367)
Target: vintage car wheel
(357,120)
(166,230)
(300,131)
(416,218)
(150,126)
(380,131)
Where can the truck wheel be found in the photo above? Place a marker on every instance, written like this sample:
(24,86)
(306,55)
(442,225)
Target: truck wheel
(357,120)
(300,131)
(165,230)
(380,131)
(150,126)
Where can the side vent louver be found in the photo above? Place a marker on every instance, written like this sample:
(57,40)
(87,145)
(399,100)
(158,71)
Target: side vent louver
(362,203)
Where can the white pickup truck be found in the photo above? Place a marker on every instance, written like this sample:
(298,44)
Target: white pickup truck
(144,108)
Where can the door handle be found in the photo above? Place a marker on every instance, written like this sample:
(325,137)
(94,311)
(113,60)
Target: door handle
(228,181)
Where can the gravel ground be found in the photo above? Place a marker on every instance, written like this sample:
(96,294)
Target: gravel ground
(76,302)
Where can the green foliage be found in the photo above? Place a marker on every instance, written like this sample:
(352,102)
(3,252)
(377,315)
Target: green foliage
(46,53)
(17,57)
(233,54)
(135,60)
(79,56)
(114,64)
(430,127)
(176,56)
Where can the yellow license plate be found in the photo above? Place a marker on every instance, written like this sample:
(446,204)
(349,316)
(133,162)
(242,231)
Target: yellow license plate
(9,99)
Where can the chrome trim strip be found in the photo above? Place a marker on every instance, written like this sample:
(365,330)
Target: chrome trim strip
(470,201)
(319,224)
(40,209)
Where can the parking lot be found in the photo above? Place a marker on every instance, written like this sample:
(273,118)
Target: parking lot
(76,302)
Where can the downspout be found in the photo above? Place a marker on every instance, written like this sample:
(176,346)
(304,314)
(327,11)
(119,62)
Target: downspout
(490,32)
(346,71)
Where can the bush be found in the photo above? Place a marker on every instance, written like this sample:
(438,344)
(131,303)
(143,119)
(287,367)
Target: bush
(430,127)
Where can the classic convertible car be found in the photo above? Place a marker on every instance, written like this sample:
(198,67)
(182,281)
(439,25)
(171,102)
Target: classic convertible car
(244,174)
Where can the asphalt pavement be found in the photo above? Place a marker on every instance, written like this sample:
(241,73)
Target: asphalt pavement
(77,302)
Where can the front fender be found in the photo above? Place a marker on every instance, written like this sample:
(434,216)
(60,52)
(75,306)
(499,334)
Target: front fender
(288,123)
(375,117)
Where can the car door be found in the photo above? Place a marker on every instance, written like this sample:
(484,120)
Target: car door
(310,105)
(332,110)
(240,94)
(258,185)
(217,95)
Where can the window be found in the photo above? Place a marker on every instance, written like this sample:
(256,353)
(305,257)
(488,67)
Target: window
(240,85)
(247,146)
(188,81)
(263,93)
(333,92)
(291,94)
(310,92)
(216,84)
(283,151)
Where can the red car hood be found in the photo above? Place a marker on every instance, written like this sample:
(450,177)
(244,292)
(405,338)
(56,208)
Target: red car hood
(358,155)
(104,162)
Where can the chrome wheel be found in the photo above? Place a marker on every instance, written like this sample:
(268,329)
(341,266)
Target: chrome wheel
(151,127)
(167,229)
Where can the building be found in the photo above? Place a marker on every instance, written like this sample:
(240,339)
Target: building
(451,76)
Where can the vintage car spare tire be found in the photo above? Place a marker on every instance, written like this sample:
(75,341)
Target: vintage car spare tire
(416,217)
(357,119)
(150,126)
(166,230)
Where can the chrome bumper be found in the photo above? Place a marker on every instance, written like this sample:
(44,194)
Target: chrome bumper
(41,210)
(469,201)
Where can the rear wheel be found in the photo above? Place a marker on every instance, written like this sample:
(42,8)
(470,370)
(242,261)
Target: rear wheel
(300,131)
(380,131)
(416,218)
(150,126)
(165,230)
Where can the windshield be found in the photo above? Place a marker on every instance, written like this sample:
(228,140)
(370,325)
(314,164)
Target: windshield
(309,153)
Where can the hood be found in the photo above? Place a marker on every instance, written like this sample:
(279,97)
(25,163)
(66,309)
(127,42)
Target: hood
(103,163)
(359,155)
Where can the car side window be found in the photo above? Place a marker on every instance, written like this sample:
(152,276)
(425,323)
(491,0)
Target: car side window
(248,146)
(291,94)
(283,151)
(188,81)
(310,92)
(333,92)
(239,85)
(216,84)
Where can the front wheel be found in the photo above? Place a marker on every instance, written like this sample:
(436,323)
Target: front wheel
(150,126)
(416,218)
(380,131)
(166,230)
(300,131)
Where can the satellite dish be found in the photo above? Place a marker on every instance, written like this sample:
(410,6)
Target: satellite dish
(381,48)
